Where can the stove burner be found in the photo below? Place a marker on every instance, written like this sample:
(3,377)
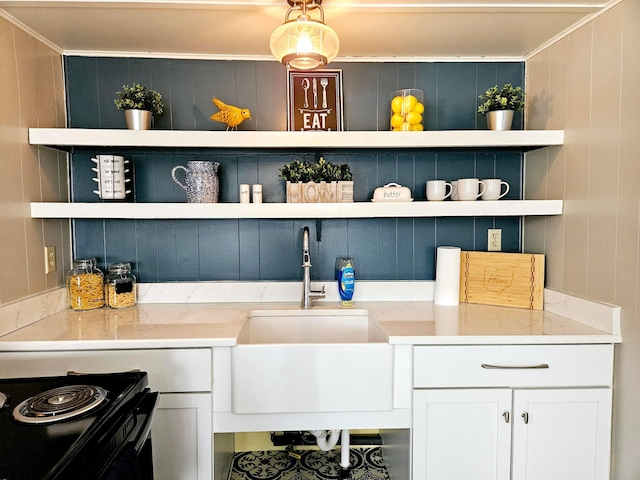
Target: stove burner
(59,404)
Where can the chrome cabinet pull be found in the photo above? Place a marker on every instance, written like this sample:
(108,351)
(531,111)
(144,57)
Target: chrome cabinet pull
(514,367)
(505,414)
(525,416)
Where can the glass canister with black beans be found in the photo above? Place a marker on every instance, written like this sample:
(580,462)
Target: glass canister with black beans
(120,286)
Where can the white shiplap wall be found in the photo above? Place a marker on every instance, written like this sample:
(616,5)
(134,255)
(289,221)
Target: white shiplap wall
(586,84)
(32,94)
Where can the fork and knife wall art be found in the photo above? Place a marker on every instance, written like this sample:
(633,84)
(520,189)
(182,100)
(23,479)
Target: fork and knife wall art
(314,100)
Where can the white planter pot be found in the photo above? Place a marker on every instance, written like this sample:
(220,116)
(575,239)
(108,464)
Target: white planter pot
(323,192)
(138,119)
(500,119)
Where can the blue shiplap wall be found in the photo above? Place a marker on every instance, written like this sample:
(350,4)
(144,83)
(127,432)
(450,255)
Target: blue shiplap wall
(200,250)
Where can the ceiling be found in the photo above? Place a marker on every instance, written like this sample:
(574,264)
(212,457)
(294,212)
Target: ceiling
(368,29)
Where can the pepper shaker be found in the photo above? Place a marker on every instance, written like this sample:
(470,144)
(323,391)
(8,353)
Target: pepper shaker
(257,193)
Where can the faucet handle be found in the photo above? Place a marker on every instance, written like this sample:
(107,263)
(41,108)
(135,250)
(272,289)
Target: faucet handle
(316,294)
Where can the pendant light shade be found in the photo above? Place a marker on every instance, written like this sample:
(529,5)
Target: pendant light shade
(304,43)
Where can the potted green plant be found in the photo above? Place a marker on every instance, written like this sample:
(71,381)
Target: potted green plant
(317,182)
(499,105)
(139,105)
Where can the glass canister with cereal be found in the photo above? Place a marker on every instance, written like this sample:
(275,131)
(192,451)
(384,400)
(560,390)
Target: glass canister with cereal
(85,285)
(120,286)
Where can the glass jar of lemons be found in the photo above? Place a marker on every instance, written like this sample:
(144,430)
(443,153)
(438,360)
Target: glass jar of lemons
(407,110)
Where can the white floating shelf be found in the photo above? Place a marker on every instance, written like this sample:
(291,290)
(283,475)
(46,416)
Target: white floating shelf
(499,208)
(82,137)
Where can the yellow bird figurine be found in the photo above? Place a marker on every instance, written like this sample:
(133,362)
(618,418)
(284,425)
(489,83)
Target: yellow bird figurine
(232,116)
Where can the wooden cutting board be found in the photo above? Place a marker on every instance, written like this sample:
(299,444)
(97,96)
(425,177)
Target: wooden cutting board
(507,279)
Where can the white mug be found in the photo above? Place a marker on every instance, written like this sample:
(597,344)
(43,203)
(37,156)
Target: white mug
(494,189)
(438,190)
(454,190)
(470,188)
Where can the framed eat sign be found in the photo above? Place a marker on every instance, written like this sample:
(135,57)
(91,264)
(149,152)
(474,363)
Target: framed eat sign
(314,100)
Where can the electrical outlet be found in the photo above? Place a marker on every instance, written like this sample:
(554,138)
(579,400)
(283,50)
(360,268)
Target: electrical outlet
(494,240)
(50,259)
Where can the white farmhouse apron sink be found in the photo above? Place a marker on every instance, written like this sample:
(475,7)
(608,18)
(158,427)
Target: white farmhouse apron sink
(316,360)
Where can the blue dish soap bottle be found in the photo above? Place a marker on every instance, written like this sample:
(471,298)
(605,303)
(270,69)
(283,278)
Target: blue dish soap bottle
(346,275)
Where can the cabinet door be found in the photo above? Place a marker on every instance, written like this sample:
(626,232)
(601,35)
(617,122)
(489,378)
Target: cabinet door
(181,437)
(461,434)
(562,434)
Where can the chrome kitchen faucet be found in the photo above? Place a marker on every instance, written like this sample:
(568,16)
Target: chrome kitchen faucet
(307,293)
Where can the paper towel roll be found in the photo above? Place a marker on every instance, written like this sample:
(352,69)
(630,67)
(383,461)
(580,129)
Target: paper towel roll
(447,289)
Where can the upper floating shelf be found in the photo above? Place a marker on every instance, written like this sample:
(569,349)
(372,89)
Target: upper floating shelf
(83,137)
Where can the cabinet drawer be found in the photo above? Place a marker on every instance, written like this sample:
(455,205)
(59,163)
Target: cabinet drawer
(170,370)
(513,366)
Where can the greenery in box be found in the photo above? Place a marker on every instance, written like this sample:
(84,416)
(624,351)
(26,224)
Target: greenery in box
(318,171)
(136,96)
(506,98)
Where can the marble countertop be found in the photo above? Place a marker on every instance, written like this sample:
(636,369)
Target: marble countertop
(190,325)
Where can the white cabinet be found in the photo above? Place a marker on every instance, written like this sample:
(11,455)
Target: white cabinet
(181,437)
(467,433)
(461,434)
(561,434)
(519,423)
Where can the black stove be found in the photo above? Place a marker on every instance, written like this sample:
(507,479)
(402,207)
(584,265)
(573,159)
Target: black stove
(76,427)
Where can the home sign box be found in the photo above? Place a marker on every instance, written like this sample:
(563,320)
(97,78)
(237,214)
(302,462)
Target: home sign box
(314,100)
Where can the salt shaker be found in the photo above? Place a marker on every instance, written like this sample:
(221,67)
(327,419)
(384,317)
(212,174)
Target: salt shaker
(244,193)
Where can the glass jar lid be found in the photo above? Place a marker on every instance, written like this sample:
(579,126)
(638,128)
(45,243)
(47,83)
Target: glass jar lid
(120,268)
(84,262)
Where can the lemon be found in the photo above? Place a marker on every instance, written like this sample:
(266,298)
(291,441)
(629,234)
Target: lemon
(396,104)
(409,103)
(419,108)
(396,120)
(417,127)
(413,117)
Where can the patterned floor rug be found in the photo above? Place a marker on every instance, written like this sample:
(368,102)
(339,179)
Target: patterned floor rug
(366,464)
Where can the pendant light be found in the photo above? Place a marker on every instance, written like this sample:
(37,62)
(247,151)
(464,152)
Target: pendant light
(304,43)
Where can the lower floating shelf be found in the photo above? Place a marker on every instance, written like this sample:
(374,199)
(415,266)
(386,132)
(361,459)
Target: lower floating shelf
(498,208)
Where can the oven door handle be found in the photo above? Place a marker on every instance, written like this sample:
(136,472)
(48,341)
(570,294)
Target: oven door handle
(147,409)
